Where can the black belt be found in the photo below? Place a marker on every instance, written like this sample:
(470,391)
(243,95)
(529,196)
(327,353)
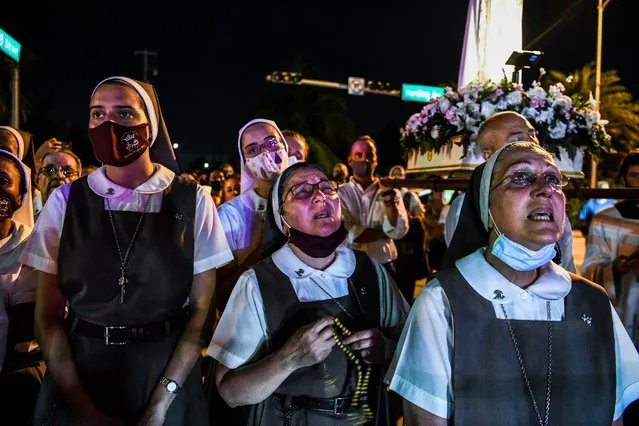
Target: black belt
(332,406)
(123,334)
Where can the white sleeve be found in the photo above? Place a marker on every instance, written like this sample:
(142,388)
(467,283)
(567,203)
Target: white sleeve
(41,251)
(211,248)
(420,371)
(351,218)
(242,330)
(452,218)
(401,227)
(229,225)
(627,363)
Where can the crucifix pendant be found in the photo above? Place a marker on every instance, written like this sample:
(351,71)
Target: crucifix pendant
(122,281)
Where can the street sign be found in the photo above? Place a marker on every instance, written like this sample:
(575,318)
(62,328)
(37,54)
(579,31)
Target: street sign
(417,93)
(9,46)
(356,86)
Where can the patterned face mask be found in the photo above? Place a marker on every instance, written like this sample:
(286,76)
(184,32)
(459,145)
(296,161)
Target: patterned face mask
(118,145)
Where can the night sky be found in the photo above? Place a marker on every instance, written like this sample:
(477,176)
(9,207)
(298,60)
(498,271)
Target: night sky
(212,60)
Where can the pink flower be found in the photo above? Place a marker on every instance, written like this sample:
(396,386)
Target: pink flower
(536,103)
(496,95)
(450,116)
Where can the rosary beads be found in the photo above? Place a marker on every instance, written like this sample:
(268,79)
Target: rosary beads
(363,378)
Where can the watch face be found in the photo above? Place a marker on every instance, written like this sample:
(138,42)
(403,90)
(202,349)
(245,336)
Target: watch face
(171,386)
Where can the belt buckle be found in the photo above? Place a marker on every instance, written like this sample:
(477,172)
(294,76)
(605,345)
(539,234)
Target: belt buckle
(335,406)
(107,335)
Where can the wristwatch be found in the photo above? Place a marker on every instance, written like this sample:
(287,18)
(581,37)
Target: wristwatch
(170,385)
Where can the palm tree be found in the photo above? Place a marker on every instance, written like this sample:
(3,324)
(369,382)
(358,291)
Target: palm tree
(616,103)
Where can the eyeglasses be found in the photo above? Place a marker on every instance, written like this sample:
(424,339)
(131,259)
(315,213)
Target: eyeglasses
(271,143)
(523,179)
(305,190)
(52,170)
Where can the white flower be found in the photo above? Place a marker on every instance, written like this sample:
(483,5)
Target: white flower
(444,104)
(570,78)
(559,131)
(513,98)
(434,133)
(530,113)
(501,105)
(545,116)
(572,127)
(487,109)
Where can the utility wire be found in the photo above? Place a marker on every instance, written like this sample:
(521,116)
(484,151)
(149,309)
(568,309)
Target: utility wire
(562,17)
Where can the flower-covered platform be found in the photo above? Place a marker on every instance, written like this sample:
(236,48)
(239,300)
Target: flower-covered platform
(441,137)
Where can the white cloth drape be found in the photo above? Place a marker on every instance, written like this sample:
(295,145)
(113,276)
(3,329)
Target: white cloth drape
(493,32)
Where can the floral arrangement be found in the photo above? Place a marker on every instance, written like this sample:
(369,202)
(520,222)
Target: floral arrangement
(560,120)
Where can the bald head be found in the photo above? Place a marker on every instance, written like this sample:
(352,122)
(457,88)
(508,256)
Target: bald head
(503,128)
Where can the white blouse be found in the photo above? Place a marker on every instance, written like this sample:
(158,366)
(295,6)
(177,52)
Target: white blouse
(242,330)
(243,221)
(421,368)
(211,249)
(17,282)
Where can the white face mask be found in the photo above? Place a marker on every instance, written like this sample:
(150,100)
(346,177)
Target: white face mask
(264,166)
(517,256)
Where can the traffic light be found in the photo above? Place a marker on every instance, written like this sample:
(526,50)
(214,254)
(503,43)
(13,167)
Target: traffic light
(378,86)
(285,77)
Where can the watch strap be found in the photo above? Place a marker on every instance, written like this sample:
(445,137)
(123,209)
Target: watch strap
(170,385)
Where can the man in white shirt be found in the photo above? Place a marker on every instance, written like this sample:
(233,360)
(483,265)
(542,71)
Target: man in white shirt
(373,214)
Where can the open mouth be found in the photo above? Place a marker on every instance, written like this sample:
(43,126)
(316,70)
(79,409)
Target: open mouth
(541,215)
(321,215)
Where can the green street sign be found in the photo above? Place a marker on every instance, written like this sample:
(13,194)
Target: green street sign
(417,93)
(9,46)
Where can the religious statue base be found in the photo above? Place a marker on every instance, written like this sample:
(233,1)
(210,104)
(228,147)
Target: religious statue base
(449,160)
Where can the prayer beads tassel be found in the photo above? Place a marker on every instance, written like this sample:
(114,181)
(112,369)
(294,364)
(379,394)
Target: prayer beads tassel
(362,412)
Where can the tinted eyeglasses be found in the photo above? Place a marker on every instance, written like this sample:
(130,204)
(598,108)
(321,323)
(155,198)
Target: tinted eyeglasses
(271,143)
(523,179)
(52,170)
(305,190)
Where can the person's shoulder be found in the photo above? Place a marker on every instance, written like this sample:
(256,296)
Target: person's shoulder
(607,214)
(232,206)
(584,284)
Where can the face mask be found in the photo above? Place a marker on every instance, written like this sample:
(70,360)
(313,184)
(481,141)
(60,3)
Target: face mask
(519,257)
(216,185)
(316,246)
(7,206)
(362,168)
(264,166)
(292,160)
(118,145)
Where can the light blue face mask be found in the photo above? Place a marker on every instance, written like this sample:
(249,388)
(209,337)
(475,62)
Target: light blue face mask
(517,256)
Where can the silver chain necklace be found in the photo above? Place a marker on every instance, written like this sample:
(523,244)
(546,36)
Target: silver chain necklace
(352,287)
(122,281)
(546,419)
